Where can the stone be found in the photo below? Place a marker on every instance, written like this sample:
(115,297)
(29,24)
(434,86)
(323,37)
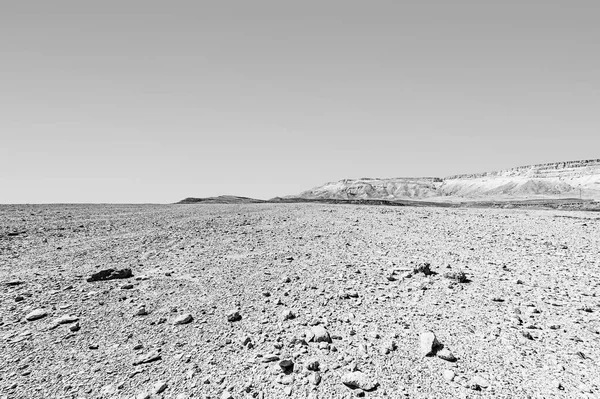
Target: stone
(147,358)
(478,382)
(159,387)
(36,315)
(286,365)
(271,357)
(234,316)
(312,364)
(360,380)
(320,334)
(424,268)
(287,314)
(428,343)
(456,275)
(75,327)
(286,379)
(314,378)
(226,395)
(66,319)
(183,319)
(110,274)
(445,354)
(388,347)
(449,375)
(140,311)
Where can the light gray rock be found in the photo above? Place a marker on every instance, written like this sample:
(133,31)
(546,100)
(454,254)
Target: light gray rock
(36,315)
(314,378)
(445,354)
(428,343)
(360,380)
(478,382)
(147,358)
(320,334)
(183,319)
(449,375)
(159,387)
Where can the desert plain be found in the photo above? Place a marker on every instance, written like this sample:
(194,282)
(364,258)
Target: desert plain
(298,301)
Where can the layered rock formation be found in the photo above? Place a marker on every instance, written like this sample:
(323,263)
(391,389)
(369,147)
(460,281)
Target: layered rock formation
(557,180)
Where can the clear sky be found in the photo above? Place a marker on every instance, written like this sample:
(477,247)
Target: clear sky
(154,101)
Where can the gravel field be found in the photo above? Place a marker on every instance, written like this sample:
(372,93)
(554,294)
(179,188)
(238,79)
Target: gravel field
(299,301)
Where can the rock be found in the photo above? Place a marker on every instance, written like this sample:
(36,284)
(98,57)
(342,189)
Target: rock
(183,319)
(388,347)
(147,358)
(75,327)
(428,343)
(360,380)
(445,354)
(14,283)
(226,395)
(287,391)
(287,314)
(234,316)
(286,379)
(527,335)
(320,334)
(159,387)
(127,287)
(312,364)
(269,358)
(424,268)
(449,375)
(110,274)
(314,378)
(286,365)
(140,311)
(456,275)
(66,319)
(19,298)
(478,382)
(36,314)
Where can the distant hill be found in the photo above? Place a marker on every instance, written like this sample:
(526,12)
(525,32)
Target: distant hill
(555,181)
(223,199)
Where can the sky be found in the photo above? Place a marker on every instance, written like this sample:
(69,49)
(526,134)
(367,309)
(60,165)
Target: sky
(154,101)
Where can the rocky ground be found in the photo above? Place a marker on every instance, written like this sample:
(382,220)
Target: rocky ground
(298,300)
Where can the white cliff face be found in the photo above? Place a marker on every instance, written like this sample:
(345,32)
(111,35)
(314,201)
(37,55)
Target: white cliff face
(558,180)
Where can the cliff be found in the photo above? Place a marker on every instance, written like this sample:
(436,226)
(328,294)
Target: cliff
(543,181)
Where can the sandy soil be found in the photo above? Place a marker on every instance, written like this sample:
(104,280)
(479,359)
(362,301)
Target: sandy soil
(525,324)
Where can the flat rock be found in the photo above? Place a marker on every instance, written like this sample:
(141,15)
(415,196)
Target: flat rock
(159,386)
(360,380)
(110,274)
(183,319)
(147,358)
(36,314)
(478,382)
(66,319)
(445,354)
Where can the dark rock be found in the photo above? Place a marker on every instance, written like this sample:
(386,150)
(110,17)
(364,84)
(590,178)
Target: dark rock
(110,274)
